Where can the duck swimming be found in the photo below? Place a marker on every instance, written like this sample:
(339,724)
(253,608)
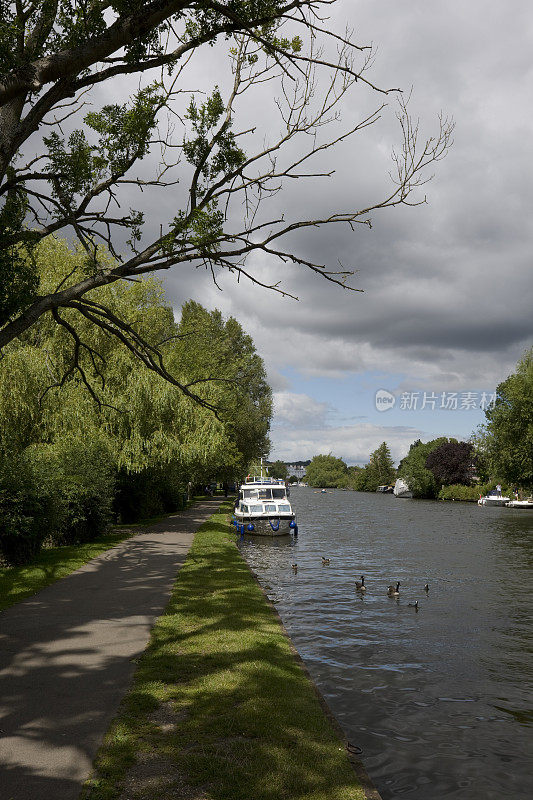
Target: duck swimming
(360,585)
(325,560)
(394,591)
(294,567)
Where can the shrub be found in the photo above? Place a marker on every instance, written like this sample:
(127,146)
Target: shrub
(458,491)
(24,511)
(148,493)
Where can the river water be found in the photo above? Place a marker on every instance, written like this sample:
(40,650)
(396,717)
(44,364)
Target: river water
(438,699)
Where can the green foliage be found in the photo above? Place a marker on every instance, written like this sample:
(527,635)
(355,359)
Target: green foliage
(413,468)
(18,279)
(124,132)
(136,428)
(509,428)
(378,472)
(278,470)
(326,471)
(458,491)
(71,169)
(24,511)
(211,149)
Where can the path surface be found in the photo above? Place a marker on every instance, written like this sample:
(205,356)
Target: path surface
(67,657)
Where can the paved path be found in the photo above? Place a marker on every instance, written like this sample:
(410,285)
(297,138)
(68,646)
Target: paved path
(67,656)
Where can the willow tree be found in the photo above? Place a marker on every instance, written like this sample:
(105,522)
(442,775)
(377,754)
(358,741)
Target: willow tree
(64,169)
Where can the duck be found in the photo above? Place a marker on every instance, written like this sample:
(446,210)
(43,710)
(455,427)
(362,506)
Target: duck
(394,591)
(426,587)
(294,567)
(325,560)
(414,605)
(360,585)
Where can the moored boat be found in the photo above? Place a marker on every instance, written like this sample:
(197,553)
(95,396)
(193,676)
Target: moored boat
(263,507)
(523,504)
(401,489)
(493,499)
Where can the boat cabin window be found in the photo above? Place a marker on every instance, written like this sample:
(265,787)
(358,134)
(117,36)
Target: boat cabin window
(264,494)
(256,509)
(270,507)
(283,507)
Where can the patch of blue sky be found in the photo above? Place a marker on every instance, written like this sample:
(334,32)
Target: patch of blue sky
(352,398)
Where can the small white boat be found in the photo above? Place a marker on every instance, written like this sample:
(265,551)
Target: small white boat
(493,499)
(263,507)
(401,489)
(524,504)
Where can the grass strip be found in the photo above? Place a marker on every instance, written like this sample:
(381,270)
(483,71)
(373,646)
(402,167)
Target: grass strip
(50,565)
(220,709)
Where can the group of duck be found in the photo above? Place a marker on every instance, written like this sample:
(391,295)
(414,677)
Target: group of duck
(392,591)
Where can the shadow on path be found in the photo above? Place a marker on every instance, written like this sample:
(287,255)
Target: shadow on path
(67,657)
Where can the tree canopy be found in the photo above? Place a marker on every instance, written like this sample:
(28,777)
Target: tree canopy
(278,469)
(378,472)
(68,170)
(452,463)
(508,441)
(64,447)
(325,471)
(412,468)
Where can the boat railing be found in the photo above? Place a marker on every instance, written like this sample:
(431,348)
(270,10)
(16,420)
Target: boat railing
(263,479)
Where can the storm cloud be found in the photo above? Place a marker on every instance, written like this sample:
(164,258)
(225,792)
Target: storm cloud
(447,294)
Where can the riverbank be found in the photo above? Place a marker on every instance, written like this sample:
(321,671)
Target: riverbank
(220,707)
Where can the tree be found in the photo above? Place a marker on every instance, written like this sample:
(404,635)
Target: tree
(379,470)
(278,470)
(452,463)
(509,428)
(63,449)
(326,471)
(413,468)
(76,174)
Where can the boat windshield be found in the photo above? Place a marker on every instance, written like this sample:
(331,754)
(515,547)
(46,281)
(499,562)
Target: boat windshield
(264,494)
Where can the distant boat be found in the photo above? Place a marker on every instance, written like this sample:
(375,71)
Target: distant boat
(385,489)
(401,489)
(493,499)
(524,504)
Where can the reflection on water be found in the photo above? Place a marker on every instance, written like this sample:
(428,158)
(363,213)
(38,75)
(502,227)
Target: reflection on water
(439,699)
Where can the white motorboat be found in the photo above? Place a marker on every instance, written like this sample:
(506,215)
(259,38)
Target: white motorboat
(524,504)
(263,507)
(401,489)
(493,499)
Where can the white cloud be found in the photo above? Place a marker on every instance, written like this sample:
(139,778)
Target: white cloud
(291,409)
(352,443)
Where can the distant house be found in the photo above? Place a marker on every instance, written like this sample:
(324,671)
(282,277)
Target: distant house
(297,470)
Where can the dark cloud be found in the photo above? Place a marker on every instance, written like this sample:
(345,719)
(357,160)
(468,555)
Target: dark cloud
(447,285)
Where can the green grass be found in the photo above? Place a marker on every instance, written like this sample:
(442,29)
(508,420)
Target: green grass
(220,709)
(50,565)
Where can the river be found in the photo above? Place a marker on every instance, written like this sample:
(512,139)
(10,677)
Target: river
(438,699)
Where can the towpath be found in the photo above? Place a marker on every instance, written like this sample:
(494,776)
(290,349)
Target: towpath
(67,656)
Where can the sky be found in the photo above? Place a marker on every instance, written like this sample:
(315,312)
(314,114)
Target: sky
(446,307)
